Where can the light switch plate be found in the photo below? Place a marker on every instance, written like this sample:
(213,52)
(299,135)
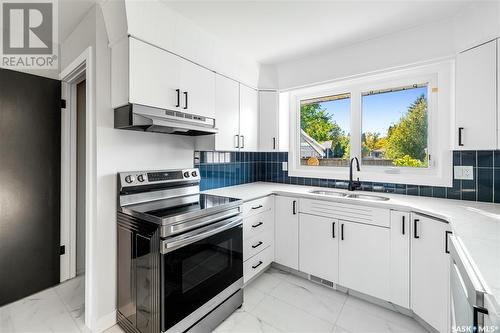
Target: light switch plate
(284,166)
(463,172)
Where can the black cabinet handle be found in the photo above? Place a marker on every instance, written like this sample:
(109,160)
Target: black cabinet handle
(257,207)
(237,139)
(242,141)
(333,229)
(446,233)
(178,91)
(294,207)
(255,266)
(403,225)
(257,245)
(342,231)
(475,319)
(460,130)
(257,225)
(415,235)
(185,100)
(274,143)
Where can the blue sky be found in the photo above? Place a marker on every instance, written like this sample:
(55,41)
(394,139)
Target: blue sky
(379,111)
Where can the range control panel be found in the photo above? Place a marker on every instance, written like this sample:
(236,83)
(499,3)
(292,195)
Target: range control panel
(137,178)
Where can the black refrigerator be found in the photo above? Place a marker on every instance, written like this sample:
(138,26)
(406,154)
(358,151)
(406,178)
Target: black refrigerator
(30,182)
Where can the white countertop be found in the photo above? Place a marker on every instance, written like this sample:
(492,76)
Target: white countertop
(476,224)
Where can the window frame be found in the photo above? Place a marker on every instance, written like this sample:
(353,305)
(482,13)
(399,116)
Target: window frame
(438,76)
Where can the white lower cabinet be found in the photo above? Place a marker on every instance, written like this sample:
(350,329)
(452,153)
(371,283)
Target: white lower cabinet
(364,263)
(430,271)
(258,236)
(400,259)
(287,232)
(318,246)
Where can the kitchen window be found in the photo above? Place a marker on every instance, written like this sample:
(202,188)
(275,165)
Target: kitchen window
(398,124)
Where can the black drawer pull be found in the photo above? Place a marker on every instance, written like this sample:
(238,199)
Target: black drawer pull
(342,231)
(257,207)
(460,130)
(257,225)
(333,229)
(294,207)
(403,224)
(178,91)
(255,266)
(185,100)
(257,245)
(447,232)
(415,234)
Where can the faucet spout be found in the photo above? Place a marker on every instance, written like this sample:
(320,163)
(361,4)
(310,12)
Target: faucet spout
(354,184)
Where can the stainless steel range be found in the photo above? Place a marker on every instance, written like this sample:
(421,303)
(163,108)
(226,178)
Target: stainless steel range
(180,253)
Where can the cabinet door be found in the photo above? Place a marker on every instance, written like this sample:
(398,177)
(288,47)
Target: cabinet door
(430,271)
(400,259)
(249,118)
(154,76)
(198,89)
(227,117)
(364,252)
(318,247)
(268,109)
(476,93)
(287,232)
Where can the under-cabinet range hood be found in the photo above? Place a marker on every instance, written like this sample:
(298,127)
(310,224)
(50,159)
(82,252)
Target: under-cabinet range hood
(138,117)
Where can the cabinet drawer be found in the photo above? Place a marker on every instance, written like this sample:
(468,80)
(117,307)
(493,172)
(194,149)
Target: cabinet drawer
(257,264)
(341,211)
(254,245)
(256,224)
(258,206)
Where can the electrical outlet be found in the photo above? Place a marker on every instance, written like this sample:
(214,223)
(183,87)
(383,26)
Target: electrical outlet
(284,166)
(463,172)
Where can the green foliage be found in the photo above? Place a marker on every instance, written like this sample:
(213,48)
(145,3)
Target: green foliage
(407,140)
(319,125)
(407,161)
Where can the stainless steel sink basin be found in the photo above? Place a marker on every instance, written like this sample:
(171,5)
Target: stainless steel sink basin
(329,193)
(368,197)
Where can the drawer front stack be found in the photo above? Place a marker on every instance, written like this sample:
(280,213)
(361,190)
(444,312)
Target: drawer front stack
(258,236)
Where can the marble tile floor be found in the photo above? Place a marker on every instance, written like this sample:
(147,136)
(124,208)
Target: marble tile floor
(274,302)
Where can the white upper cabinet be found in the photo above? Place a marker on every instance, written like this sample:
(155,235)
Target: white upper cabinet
(287,232)
(198,89)
(430,271)
(318,246)
(249,118)
(227,117)
(476,98)
(145,74)
(273,122)
(400,259)
(154,77)
(364,263)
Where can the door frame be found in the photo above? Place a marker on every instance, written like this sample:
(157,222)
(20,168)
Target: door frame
(81,68)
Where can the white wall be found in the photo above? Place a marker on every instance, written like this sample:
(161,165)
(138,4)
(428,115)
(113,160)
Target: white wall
(115,150)
(475,24)
(399,49)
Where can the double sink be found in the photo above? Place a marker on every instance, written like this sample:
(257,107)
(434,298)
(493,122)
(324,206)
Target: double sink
(351,196)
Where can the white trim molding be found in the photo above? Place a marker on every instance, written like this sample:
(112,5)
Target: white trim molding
(71,75)
(440,80)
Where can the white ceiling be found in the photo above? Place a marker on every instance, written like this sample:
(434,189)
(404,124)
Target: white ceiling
(276,31)
(71,12)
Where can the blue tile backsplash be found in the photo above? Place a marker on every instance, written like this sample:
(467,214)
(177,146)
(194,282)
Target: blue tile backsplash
(220,169)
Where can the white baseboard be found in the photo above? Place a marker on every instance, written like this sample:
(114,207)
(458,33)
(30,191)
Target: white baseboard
(104,322)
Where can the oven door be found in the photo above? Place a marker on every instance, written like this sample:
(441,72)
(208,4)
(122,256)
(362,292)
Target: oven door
(196,268)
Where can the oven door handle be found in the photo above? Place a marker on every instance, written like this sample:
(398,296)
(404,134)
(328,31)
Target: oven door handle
(169,245)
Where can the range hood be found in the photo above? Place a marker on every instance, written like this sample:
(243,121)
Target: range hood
(138,117)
